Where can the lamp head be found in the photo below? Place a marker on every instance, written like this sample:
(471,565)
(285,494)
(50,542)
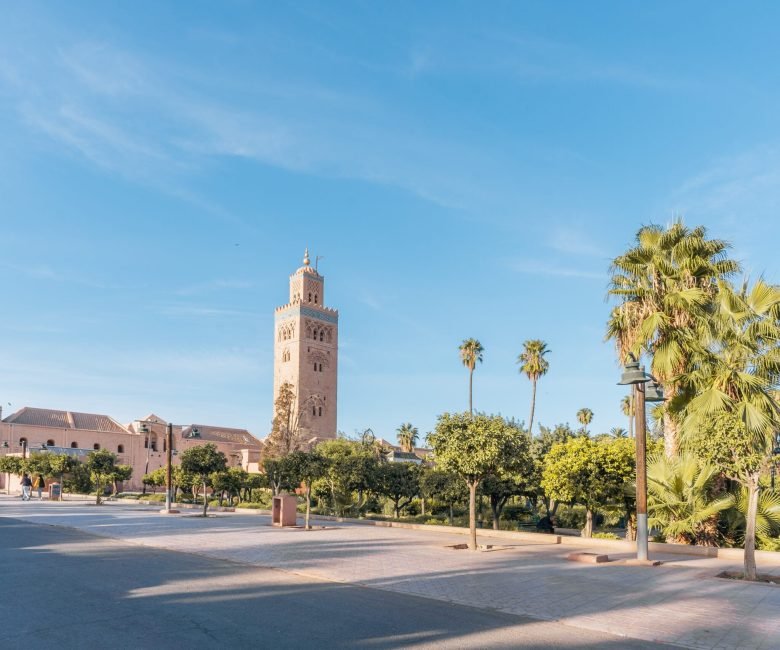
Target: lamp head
(654,392)
(633,373)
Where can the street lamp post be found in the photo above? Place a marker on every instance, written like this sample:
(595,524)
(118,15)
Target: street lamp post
(645,389)
(145,429)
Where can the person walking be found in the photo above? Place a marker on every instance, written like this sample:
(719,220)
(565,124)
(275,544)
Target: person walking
(26,487)
(39,484)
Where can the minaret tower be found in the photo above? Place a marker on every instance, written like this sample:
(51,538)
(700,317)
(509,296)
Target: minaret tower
(306,352)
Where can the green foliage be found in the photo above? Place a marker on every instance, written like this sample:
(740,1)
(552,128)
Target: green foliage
(398,481)
(102,467)
(533,365)
(11,465)
(407,437)
(305,467)
(78,480)
(605,536)
(680,499)
(351,471)
(203,461)
(229,482)
(591,473)
(476,447)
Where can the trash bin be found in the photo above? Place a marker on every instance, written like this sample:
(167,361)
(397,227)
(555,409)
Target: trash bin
(54,491)
(284,512)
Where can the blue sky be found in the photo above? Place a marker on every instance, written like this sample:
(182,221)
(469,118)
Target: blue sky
(465,170)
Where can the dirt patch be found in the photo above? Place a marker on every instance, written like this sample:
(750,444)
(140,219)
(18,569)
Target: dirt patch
(761,578)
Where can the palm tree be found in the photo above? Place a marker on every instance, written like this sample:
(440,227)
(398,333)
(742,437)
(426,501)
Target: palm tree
(534,365)
(585,417)
(735,376)
(470,353)
(665,284)
(679,499)
(618,432)
(627,406)
(407,437)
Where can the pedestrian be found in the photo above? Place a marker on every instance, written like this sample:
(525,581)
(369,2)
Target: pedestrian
(39,484)
(26,487)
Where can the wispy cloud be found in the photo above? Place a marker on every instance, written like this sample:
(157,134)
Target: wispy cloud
(189,311)
(539,267)
(213,286)
(575,241)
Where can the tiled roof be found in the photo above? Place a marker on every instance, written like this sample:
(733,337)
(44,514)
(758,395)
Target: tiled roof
(65,420)
(220,434)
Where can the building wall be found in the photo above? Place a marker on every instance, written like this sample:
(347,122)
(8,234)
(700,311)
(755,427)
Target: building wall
(134,451)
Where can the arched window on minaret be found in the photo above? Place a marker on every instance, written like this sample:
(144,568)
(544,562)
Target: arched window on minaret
(315,298)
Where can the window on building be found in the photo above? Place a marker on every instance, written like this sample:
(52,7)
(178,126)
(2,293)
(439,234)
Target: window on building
(322,335)
(96,446)
(309,297)
(50,443)
(315,298)
(120,449)
(320,367)
(320,410)
(74,445)
(314,410)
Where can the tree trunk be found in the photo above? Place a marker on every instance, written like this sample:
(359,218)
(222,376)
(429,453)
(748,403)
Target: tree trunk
(205,500)
(97,494)
(533,406)
(588,531)
(750,528)
(630,527)
(452,516)
(422,506)
(471,378)
(306,525)
(496,515)
(670,431)
(473,515)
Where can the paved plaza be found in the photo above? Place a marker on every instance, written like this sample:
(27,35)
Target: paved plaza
(680,603)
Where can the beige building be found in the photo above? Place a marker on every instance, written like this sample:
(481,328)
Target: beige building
(306,352)
(141,444)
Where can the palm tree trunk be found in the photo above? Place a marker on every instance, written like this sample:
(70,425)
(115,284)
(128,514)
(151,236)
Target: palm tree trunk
(473,515)
(471,381)
(533,406)
(750,528)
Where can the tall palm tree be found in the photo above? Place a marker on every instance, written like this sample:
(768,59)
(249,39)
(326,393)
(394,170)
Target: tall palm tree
(534,365)
(408,436)
(585,417)
(736,375)
(618,432)
(665,284)
(470,353)
(627,406)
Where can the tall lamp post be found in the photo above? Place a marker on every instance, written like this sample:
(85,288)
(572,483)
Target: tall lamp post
(168,461)
(645,389)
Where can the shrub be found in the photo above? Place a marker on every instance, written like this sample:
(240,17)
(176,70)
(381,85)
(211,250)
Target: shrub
(605,536)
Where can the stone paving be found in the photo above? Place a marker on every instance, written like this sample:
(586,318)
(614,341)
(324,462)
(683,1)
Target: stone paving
(679,603)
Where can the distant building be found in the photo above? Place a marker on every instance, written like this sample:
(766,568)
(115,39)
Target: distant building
(306,353)
(141,444)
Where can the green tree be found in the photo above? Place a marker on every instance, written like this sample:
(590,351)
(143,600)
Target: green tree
(306,467)
(476,447)
(279,475)
(351,469)
(540,447)
(10,465)
(228,482)
(121,473)
(407,437)
(665,283)
(470,354)
(102,466)
(203,461)
(446,487)
(735,378)
(680,501)
(589,472)
(585,417)
(618,432)
(398,481)
(533,365)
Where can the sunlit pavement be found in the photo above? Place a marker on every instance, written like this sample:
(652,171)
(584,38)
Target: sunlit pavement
(679,603)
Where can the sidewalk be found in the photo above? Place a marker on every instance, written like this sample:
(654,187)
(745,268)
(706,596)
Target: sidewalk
(679,603)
